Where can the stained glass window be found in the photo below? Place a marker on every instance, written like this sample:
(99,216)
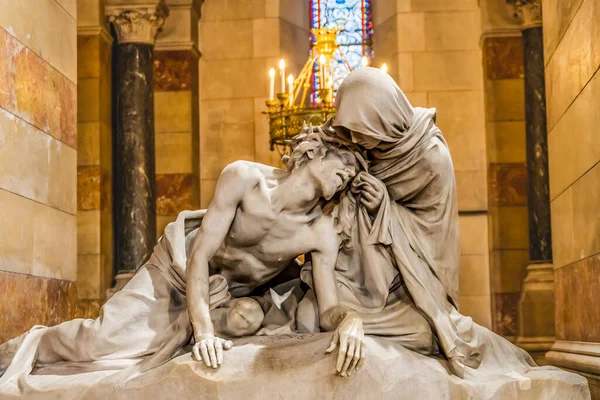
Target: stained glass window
(353,17)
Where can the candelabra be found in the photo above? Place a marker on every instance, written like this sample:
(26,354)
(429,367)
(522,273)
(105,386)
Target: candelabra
(308,98)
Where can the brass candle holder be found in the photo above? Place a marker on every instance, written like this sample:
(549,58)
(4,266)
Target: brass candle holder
(272,105)
(283,98)
(288,111)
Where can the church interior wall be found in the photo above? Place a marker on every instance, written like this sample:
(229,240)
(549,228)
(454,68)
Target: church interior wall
(502,46)
(572,58)
(176,113)
(240,40)
(38,173)
(94,159)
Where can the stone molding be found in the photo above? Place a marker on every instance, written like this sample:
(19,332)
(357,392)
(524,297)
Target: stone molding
(539,277)
(535,344)
(529,12)
(137,24)
(577,356)
(180,32)
(499,33)
(95,31)
(195,5)
(181,46)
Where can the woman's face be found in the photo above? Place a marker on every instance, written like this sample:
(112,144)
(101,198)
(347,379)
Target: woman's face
(365,141)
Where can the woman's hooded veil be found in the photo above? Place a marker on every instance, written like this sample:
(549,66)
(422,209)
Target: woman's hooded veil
(418,220)
(371,103)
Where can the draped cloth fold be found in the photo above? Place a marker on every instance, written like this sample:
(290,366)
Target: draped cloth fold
(142,326)
(418,219)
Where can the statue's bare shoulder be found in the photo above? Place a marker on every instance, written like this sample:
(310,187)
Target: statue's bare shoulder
(247,174)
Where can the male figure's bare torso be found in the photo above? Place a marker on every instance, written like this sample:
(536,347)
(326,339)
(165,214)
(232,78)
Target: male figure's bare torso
(262,241)
(259,220)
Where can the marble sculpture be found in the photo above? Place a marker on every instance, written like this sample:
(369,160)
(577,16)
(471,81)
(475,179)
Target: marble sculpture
(225,309)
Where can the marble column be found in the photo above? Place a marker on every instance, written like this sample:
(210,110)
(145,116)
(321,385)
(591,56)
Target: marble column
(536,306)
(134,191)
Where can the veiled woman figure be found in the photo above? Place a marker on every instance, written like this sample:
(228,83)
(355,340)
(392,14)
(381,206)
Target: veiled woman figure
(414,223)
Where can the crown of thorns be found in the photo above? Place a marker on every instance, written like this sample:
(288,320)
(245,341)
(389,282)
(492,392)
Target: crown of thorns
(320,137)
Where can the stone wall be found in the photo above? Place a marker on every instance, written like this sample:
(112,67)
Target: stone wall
(176,113)
(38,172)
(432,50)
(240,40)
(94,158)
(572,58)
(502,46)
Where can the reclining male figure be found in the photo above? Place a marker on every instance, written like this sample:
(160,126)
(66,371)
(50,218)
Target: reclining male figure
(261,218)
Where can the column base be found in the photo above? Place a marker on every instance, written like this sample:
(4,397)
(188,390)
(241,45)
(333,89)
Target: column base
(579,357)
(536,312)
(537,347)
(121,280)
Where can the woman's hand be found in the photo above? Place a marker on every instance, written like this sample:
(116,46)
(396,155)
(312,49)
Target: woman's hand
(351,338)
(209,348)
(372,191)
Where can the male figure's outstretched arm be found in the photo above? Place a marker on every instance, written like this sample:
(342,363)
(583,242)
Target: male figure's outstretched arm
(211,234)
(347,324)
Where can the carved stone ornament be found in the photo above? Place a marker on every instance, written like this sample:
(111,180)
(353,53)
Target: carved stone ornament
(138,25)
(529,12)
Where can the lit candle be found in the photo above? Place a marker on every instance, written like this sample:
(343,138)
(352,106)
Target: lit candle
(271,84)
(291,88)
(322,61)
(282,72)
(364,62)
(384,68)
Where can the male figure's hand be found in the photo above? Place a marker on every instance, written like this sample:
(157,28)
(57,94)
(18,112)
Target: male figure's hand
(209,348)
(351,338)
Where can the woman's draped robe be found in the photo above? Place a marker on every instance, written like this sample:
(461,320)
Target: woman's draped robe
(418,218)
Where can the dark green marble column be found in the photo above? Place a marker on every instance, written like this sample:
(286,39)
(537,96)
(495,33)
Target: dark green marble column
(134,170)
(536,305)
(540,235)
(134,180)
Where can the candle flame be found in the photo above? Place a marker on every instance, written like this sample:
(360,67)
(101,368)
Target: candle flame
(291,79)
(281,64)
(384,68)
(364,62)
(322,59)
(272,72)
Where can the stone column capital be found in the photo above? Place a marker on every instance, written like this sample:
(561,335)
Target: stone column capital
(136,23)
(528,12)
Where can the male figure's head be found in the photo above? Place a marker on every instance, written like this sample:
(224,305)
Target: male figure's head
(330,164)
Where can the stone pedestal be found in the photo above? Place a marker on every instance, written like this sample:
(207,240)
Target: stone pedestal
(135,29)
(536,312)
(536,305)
